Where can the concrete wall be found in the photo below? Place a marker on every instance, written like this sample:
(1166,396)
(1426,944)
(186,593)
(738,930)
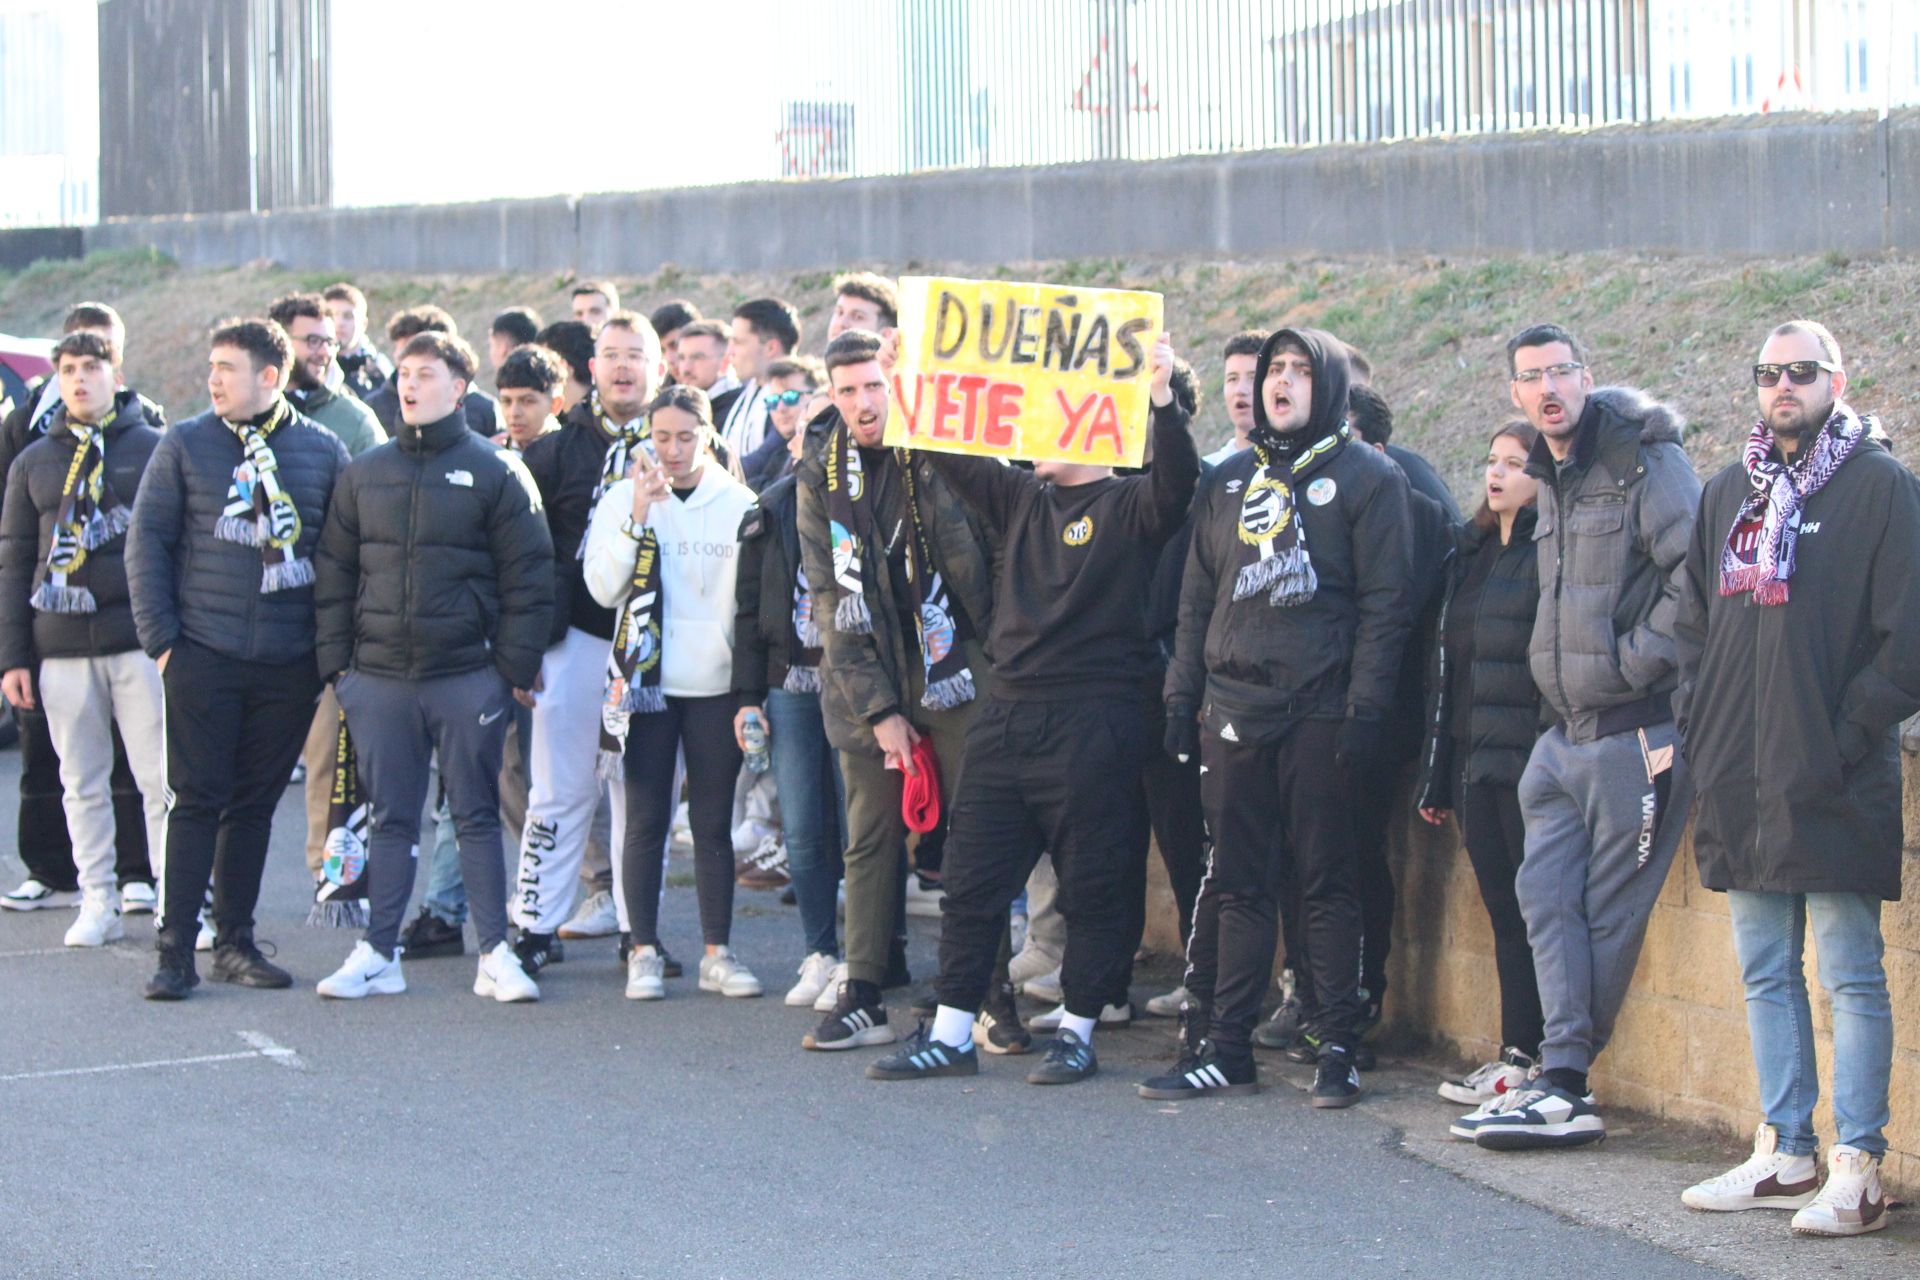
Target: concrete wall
(1680,1050)
(1781,184)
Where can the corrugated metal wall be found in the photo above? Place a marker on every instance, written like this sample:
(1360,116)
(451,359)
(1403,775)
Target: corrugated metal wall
(214,105)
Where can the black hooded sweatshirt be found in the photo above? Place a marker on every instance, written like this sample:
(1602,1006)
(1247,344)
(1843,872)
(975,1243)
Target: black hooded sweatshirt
(1251,667)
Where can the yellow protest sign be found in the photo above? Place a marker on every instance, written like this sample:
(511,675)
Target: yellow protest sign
(1033,371)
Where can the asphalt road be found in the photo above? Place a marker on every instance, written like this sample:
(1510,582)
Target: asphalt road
(254,1133)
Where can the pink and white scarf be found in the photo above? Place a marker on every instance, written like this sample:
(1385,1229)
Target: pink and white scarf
(1758,555)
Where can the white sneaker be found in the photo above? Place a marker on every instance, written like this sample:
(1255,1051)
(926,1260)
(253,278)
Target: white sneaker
(204,941)
(1484,1083)
(816,975)
(680,833)
(922,901)
(98,923)
(593,918)
(1770,1179)
(34,896)
(366,973)
(1168,1004)
(1852,1203)
(1113,1015)
(646,974)
(1029,963)
(138,899)
(1046,988)
(830,994)
(501,976)
(724,972)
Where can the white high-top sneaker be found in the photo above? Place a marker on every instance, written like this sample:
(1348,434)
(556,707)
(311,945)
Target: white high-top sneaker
(1769,1179)
(502,977)
(366,973)
(816,975)
(724,972)
(1852,1203)
(98,922)
(646,974)
(1510,1071)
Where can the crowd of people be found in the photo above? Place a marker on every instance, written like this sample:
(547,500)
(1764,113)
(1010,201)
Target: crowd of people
(670,564)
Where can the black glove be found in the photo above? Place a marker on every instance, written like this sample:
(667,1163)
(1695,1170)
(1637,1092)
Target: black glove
(1183,732)
(1361,744)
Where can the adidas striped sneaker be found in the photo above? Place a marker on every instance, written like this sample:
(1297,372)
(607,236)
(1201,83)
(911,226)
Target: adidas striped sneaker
(1203,1075)
(922,1057)
(858,1019)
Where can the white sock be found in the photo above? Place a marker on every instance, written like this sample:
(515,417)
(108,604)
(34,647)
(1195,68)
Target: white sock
(952,1027)
(1082,1027)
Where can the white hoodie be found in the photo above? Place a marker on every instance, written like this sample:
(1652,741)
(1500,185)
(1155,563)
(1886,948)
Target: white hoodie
(699,560)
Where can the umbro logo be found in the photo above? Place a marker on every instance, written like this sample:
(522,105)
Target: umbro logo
(1233,486)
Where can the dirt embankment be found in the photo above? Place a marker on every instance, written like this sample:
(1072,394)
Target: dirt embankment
(1683,328)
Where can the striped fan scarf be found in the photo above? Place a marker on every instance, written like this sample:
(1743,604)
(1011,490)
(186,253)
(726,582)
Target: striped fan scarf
(1271,528)
(623,440)
(89,517)
(259,513)
(633,663)
(340,900)
(1758,555)
(803,642)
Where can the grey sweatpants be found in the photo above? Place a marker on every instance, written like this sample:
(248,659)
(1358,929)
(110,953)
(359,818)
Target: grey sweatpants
(397,726)
(1597,855)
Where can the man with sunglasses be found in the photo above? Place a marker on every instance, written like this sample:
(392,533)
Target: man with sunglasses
(1799,649)
(790,384)
(1604,795)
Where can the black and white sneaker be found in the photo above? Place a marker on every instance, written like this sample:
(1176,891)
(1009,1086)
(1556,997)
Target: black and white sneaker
(922,1057)
(537,951)
(1543,1116)
(1336,1080)
(997,1029)
(1069,1060)
(1307,1050)
(858,1020)
(1203,1075)
(35,896)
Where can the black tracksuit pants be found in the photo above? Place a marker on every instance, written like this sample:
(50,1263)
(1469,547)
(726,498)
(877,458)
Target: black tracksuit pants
(1373,805)
(1289,788)
(234,729)
(1179,823)
(1061,776)
(44,846)
(1496,836)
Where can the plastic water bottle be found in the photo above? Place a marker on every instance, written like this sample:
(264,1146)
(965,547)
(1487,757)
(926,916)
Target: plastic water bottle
(754,732)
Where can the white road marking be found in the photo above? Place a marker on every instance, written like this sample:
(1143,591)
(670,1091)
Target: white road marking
(122,952)
(263,1046)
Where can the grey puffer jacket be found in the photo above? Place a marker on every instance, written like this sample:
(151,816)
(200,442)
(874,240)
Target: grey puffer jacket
(185,581)
(1615,521)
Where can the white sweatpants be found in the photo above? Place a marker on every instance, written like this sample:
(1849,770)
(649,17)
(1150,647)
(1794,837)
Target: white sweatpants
(84,699)
(562,787)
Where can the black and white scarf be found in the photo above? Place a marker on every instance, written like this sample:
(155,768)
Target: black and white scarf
(1758,555)
(259,513)
(90,516)
(623,440)
(340,900)
(849,524)
(943,628)
(633,662)
(803,641)
(1275,558)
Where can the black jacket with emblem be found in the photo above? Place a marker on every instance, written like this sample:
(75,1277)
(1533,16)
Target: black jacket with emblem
(435,561)
(763,632)
(1613,527)
(1252,667)
(1789,713)
(35,487)
(187,582)
(865,678)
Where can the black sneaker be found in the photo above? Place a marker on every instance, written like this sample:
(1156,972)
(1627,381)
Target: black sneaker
(537,951)
(1284,1029)
(428,936)
(997,1028)
(858,1020)
(1308,1050)
(1336,1081)
(1069,1060)
(1203,1075)
(174,978)
(922,1057)
(1544,1116)
(240,962)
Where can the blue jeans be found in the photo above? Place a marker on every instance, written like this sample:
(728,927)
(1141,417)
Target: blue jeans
(1770,932)
(446,891)
(812,811)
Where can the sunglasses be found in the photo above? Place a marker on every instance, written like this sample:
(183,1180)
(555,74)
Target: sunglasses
(1800,372)
(774,399)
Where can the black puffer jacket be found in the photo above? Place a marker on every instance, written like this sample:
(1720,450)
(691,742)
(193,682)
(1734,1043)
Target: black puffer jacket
(763,633)
(35,487)
(435,561)
(22,426)
(1258,667)
(1504,718)
(567,465)
(187,582)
